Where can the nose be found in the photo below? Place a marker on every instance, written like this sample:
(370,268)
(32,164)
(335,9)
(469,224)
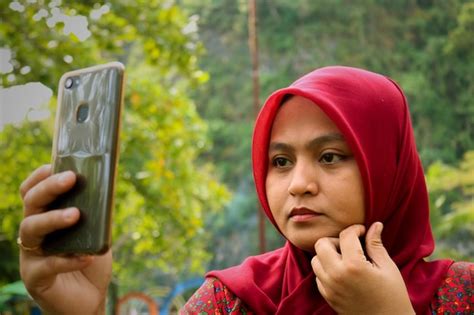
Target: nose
(304,180)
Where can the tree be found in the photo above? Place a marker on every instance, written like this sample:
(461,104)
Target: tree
(164,191)
(452,206)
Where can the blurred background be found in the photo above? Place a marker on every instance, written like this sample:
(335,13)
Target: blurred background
(185,199)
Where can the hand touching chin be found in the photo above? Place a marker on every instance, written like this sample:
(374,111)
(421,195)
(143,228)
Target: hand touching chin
(355,284)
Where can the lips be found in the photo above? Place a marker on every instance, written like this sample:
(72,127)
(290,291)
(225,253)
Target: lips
(303,214)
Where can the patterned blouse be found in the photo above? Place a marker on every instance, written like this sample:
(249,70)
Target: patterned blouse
(454,297)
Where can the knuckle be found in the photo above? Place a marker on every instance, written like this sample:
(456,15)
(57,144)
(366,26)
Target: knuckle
(332,297)
(45,168)
(353,268)
(338,276)
(356,229)
(29,197)
(26,226)
(35,225)
(321,242)
(52,263)
(23,189)
(360,252)
(41,171)
(375,242)
(315,263)
(344,233)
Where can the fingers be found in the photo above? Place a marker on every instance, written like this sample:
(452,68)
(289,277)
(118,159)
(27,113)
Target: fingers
(327,249)
(351,248)
(38,175)
(37,197)
(374,246)
(333,254)
(44,269)
(322,289)
(34,227)
(39,190)
(326,258)
(318,270)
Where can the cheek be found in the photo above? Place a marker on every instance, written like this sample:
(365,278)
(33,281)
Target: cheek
(358,205)
(348,195)
(275,190)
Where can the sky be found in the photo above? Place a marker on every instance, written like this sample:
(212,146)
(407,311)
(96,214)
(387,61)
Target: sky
(30,101)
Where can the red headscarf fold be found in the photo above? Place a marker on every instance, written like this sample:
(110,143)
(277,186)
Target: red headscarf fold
(372,113)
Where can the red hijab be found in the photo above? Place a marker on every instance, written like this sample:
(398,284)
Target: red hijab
(372,113)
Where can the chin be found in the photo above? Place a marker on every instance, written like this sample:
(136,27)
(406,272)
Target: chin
(306,240)
(304,244)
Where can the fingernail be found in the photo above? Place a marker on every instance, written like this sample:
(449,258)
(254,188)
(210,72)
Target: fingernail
(68,213)
(379,227)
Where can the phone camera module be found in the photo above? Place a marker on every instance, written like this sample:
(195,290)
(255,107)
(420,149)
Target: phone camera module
(69,83)
(82,113)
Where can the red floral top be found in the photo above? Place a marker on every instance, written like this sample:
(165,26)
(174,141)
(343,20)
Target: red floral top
(454,297)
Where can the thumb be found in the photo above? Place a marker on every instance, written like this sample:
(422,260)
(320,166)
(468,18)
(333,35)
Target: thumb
(374,246)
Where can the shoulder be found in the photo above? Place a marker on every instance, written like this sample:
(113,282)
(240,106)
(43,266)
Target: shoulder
(213,297)
(455,294)
(250,266)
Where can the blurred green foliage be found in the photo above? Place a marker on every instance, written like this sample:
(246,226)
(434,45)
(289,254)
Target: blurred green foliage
(163,192)
(452,206)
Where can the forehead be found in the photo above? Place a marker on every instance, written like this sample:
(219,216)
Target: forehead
(299,114)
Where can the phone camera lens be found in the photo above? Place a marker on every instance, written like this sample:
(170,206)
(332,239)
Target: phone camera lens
(82,113)
(69,83)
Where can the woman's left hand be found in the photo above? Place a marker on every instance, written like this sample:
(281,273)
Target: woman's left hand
(351,283)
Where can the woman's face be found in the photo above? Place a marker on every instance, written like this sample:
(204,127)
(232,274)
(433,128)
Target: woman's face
(314,188)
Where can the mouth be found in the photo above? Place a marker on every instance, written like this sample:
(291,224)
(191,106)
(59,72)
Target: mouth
(302,214)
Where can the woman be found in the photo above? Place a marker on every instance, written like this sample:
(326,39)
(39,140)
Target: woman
(333,154)
(334,158)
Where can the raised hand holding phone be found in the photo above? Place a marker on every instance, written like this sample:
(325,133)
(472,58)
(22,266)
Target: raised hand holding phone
(59,284)
(64,238)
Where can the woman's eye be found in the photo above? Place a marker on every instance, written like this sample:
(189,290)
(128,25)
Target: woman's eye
(280,162)
(330,158)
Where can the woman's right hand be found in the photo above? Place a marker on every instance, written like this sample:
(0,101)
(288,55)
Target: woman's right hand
(59,284)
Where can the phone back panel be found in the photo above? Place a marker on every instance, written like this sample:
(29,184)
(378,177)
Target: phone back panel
(86,142)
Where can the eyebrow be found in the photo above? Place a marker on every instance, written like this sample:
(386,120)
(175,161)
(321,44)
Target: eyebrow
(316,142)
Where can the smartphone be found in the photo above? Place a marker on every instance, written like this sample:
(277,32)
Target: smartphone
(86,141)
